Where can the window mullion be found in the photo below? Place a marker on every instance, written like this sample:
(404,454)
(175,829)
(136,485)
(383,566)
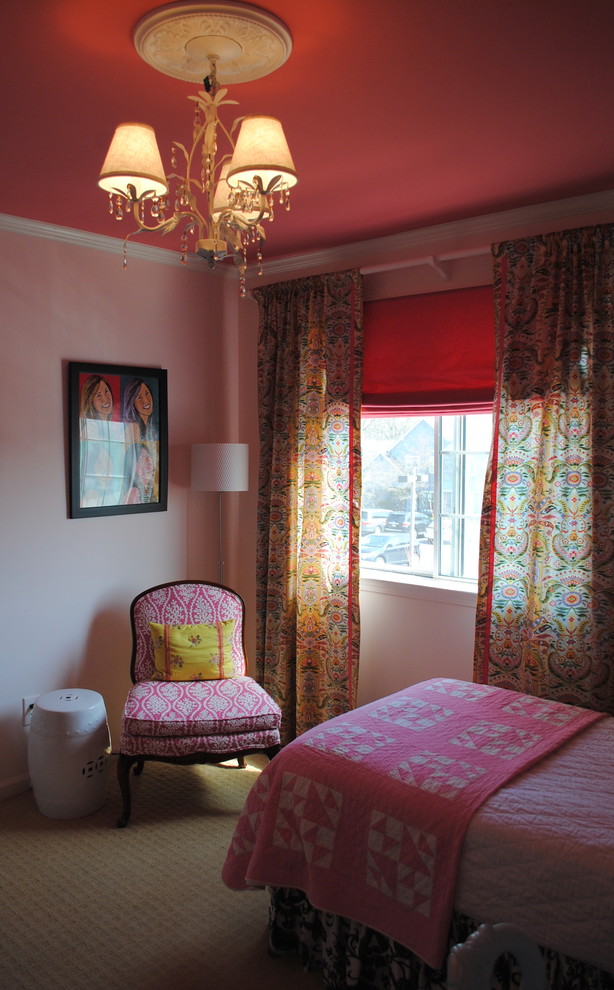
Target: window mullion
(462,471)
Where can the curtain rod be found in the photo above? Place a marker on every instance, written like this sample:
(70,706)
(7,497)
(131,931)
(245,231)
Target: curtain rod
(438,262)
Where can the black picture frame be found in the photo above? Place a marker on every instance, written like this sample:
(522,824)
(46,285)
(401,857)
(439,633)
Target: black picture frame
(118,426)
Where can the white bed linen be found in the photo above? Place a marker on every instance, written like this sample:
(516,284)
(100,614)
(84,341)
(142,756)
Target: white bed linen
(540,851)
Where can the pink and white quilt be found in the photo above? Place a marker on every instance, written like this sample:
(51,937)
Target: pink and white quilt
(367,813)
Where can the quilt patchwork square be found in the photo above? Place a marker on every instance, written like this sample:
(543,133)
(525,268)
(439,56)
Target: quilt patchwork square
(540,708)
(438,774)
(302,808)
(412,713)
(401,861)
(352,741)
(504,741)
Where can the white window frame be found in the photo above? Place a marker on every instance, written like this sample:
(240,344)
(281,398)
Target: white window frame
(399,581)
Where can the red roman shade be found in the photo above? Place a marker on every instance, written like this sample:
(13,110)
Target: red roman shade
(430,354)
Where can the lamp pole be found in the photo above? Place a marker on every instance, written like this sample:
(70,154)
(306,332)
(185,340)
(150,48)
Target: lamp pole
(220,467)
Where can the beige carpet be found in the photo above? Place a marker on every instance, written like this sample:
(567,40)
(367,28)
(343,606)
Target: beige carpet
(87,906)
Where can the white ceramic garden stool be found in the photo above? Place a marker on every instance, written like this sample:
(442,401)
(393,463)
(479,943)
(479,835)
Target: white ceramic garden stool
(69,748)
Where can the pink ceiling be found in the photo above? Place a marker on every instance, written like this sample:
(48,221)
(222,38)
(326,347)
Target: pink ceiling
(399,113)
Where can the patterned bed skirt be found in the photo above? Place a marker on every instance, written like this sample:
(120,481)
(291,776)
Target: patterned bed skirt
(352,955)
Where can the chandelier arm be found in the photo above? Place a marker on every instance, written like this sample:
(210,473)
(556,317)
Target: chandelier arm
(256,221)
(167,226)
(187,180)
(195,143)
(228,134)
(275,185)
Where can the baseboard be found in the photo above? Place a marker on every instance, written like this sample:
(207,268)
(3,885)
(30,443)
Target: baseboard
(14,785)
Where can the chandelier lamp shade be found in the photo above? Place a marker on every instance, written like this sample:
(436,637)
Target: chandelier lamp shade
(261,157)
(133,164)
(220,191)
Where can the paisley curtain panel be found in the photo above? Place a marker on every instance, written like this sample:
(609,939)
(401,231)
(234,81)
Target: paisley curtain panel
(310,378)
(545,622)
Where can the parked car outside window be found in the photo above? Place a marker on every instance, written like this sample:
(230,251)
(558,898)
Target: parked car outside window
(385,548)
(373,520)
(401,522)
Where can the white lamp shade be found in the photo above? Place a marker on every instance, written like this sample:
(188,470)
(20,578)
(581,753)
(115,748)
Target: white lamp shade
(220,467)
(261,150)
(134,158)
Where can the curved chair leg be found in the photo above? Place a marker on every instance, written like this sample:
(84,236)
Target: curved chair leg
(241,762)
(123,776)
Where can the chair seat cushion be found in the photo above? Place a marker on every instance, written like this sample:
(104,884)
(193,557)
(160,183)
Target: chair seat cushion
(199,708)
(182,747)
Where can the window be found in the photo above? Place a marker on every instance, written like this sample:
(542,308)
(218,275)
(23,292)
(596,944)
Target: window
(422,486)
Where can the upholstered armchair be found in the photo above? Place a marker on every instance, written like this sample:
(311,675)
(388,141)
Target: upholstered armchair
(192,700)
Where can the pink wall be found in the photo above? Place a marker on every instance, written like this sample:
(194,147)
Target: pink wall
(67,583)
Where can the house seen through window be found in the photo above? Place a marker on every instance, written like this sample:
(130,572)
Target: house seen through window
(422,487)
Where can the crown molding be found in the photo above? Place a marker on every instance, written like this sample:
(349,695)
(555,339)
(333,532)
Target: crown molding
(110,245)
(443,242)
(427,245)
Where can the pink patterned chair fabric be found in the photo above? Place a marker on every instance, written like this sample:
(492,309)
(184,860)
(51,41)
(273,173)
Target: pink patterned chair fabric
(204,721)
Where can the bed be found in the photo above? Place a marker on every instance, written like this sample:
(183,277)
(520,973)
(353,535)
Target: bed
(389,834)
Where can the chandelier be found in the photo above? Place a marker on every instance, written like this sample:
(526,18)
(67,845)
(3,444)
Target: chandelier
(220,198)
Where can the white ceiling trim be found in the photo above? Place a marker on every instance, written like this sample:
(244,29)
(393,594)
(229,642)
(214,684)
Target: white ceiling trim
(434,246)
(444,242)
(109,245)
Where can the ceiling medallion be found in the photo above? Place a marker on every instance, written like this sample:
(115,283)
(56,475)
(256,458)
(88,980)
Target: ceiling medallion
(181,38)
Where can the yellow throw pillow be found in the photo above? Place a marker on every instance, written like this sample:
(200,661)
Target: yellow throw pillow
(193,653)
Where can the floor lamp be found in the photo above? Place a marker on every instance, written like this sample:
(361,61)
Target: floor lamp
(220,467)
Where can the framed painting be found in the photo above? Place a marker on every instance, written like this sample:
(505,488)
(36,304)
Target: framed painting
(118,439)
